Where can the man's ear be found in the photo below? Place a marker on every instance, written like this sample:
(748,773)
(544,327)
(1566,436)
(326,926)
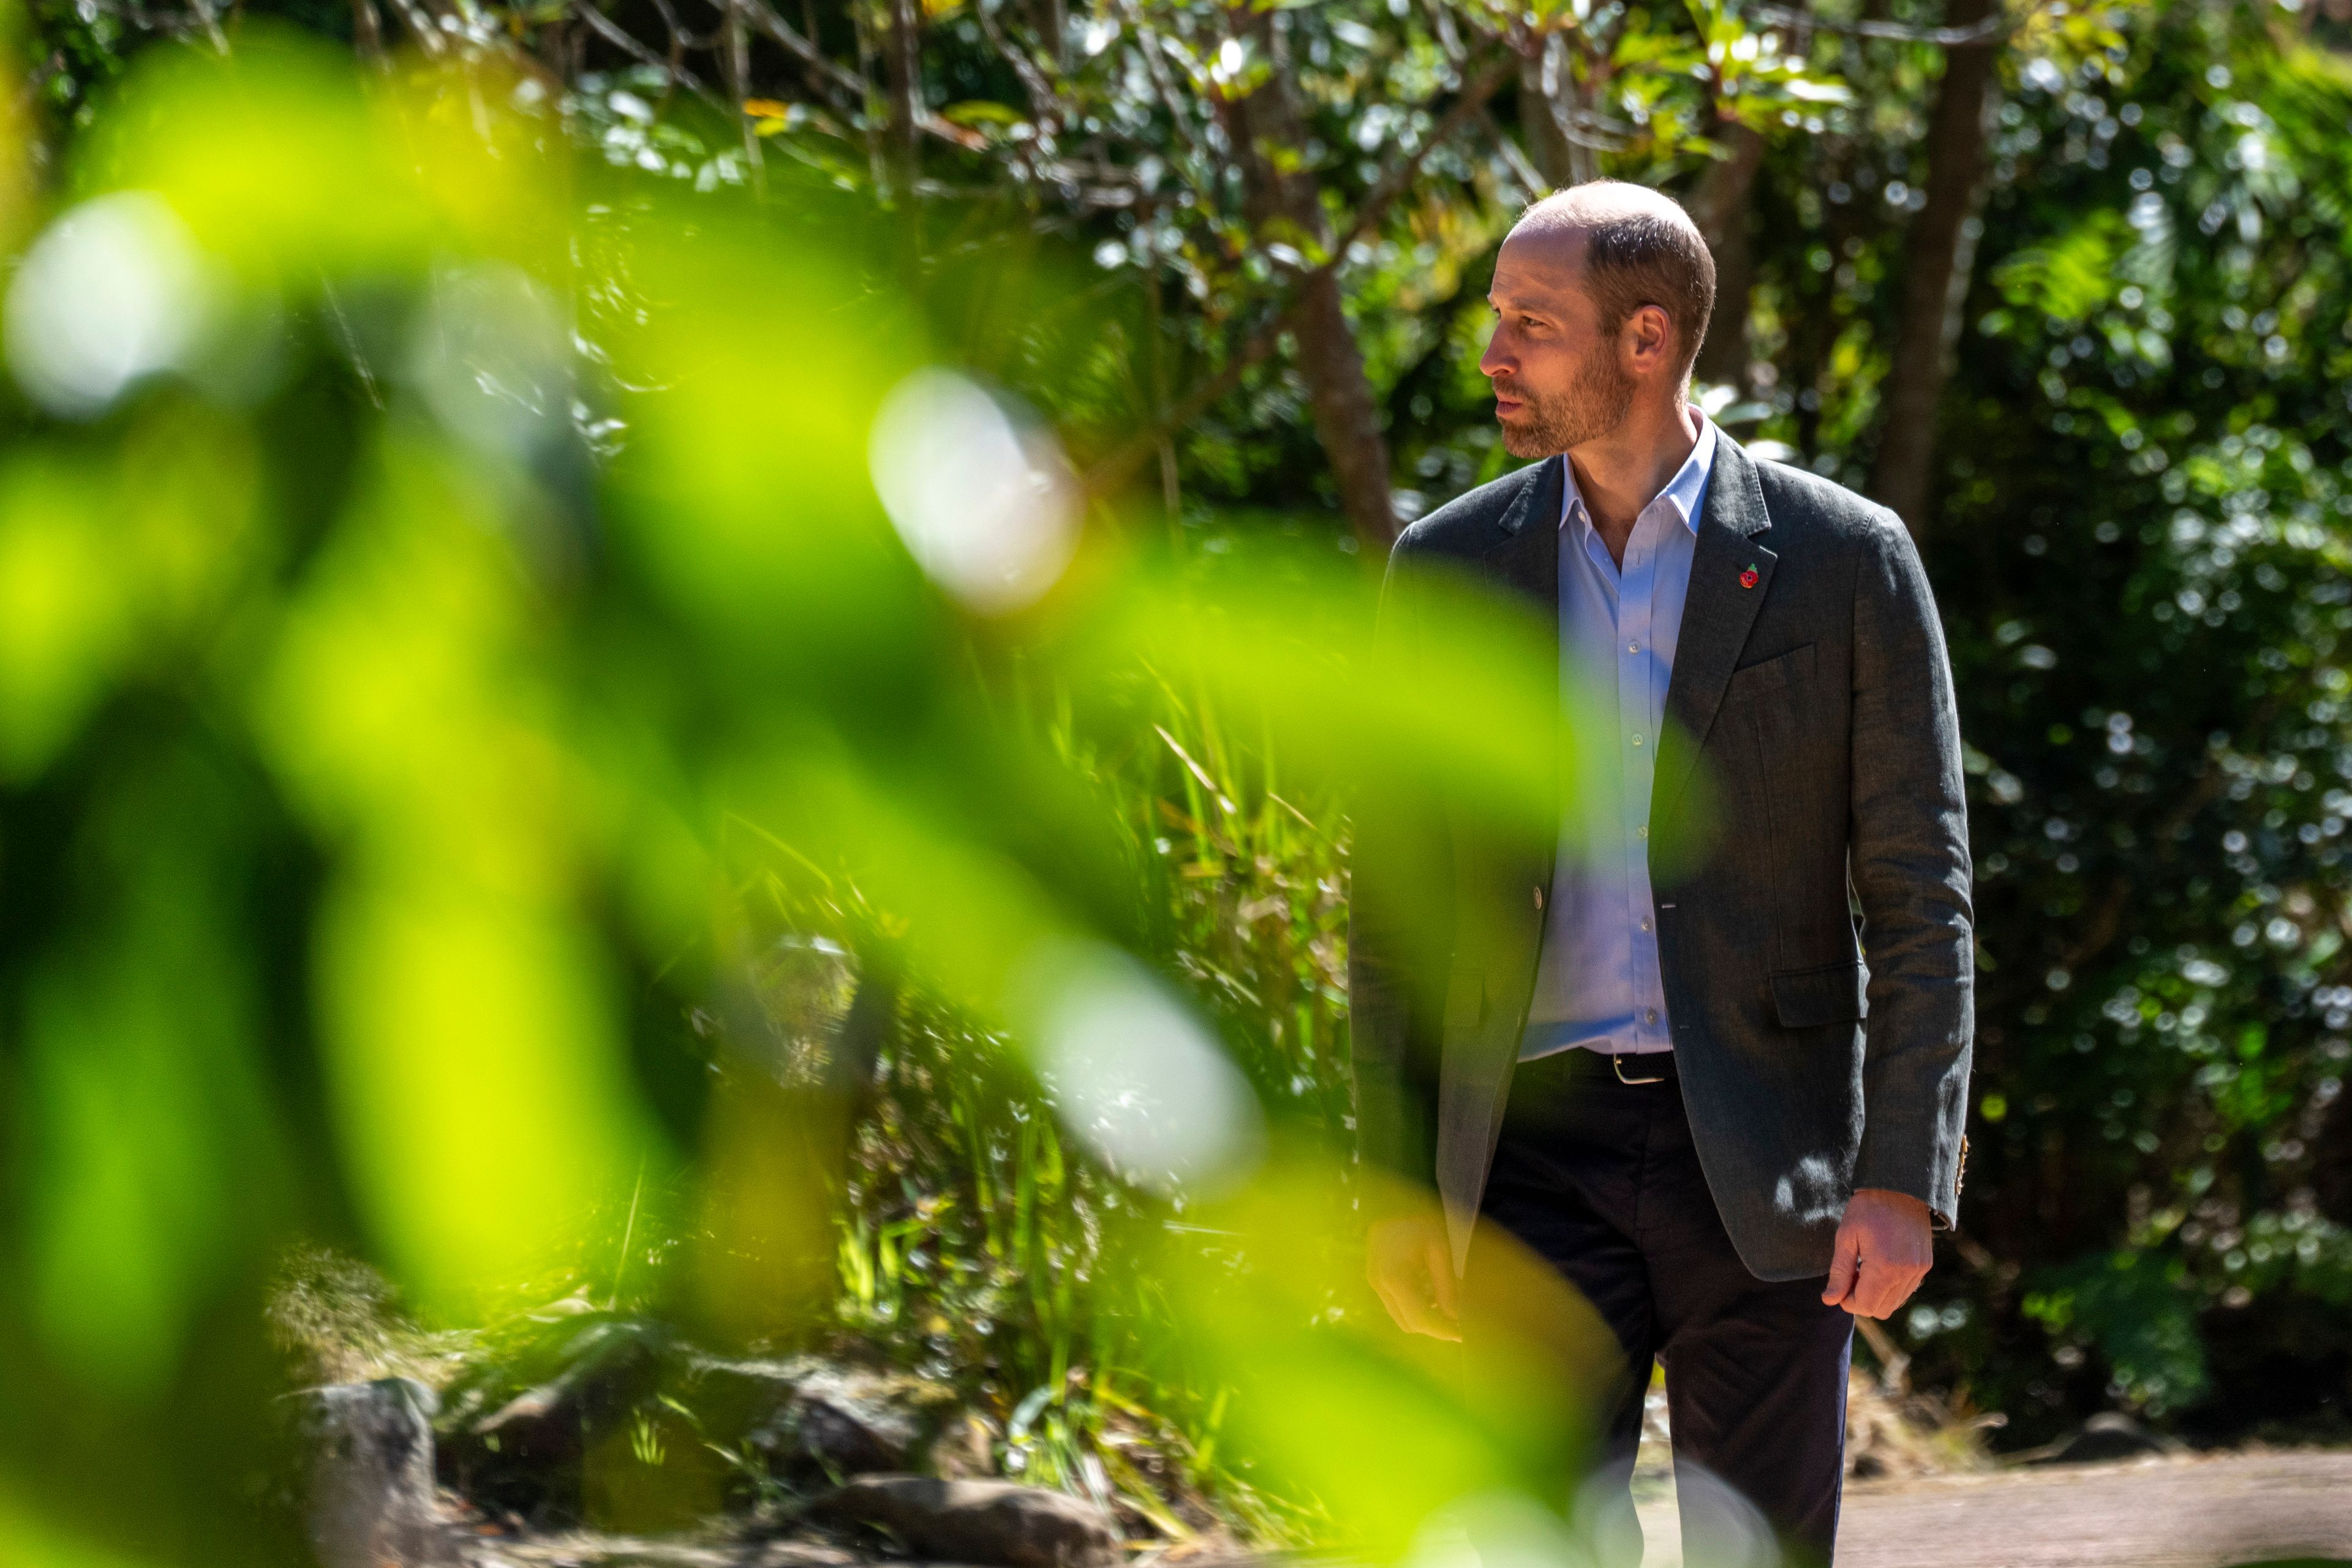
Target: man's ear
(1649,335)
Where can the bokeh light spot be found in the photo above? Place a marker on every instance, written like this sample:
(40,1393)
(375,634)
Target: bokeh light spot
(990,511)
(115,290)
(1138,1079)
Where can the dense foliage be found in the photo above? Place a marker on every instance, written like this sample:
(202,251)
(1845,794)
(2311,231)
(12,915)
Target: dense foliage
(1236,257)
(548,743)
(2144,556)
(2139,538)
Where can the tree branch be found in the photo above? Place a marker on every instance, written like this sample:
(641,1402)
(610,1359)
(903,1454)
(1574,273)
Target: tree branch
(768,20)
(612,32)
(1114,468)
(1983,31)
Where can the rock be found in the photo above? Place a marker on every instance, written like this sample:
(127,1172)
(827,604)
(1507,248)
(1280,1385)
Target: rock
(2106,1437)
(1888,1440)
(965,1450)
(370,1501)
(527,1455)
(993,1522)
(807,1413)
(586,1549)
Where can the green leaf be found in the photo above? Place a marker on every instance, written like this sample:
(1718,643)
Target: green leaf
(980,111)
(2069,279)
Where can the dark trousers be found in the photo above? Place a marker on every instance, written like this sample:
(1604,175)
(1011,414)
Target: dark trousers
(1601,1181)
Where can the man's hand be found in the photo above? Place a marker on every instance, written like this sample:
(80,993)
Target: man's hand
(1885,1247)
(1410,1265)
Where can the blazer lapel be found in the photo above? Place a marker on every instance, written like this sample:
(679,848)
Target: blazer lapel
(1527,560)
(1718,614)
(1474,1079)
(1527,556)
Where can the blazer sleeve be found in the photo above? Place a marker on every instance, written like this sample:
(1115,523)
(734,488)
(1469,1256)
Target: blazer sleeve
(1388,909)
(1911,872)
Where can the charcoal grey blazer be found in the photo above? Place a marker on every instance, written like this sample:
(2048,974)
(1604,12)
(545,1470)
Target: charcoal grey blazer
(1809,856)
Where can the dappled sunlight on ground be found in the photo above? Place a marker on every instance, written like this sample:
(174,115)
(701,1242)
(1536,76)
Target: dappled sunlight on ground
(2190,1512)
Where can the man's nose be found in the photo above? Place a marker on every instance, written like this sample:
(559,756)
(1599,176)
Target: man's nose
(1495,361)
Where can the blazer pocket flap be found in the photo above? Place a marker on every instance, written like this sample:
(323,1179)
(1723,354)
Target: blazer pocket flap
(1809,998)
(1465,999)
(1781,670)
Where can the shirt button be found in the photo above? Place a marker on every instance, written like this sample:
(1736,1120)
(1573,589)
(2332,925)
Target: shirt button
(1633,647)
(1645,925)
(1642,832)
(1637,737)
(1651,1016)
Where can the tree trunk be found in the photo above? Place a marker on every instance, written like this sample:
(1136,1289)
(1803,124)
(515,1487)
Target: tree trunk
(1546,147)
(1935,267)
(1347,414)
(1549,101)
(1055,24)
(902,77)
(736,56)
(1338,393)
(1722,206)
(367,31)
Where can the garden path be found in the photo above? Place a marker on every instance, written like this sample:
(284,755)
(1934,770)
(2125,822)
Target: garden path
(2194,1512)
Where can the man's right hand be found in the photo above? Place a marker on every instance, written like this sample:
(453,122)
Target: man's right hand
(1410,1264)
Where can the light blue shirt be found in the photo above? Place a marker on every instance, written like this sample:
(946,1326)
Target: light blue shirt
(1597,983)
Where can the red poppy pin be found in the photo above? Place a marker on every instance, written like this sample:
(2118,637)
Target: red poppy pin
(1749,579)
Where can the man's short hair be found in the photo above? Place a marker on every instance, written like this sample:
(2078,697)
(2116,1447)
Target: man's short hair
(1640,248)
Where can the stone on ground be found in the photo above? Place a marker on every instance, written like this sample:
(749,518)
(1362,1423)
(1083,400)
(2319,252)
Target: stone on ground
(370,1460)
(808,1414)
(525,1456)
(989,1523)
(2105,1438)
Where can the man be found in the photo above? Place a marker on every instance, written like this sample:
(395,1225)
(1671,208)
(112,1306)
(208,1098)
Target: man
(1656,1056)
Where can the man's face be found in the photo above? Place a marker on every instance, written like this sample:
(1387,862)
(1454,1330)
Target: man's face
(1559,379)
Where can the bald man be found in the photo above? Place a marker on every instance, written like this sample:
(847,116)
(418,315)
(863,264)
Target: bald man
(1663,1054)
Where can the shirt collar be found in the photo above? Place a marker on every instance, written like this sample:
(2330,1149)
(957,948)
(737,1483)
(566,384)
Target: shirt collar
(1685,490)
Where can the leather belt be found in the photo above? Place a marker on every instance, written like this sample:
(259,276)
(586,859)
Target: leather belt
(1618,1062)
(1626,1067)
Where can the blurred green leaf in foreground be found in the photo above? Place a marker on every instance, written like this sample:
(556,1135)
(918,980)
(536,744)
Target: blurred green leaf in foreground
(494,664)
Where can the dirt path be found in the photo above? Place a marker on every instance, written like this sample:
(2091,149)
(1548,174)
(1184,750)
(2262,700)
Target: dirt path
(2194,1512)
(2200,1512)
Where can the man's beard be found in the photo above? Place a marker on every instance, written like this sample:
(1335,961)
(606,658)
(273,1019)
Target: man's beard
(1595,402)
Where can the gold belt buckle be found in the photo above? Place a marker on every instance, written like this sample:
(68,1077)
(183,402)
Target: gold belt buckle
(1617,1061)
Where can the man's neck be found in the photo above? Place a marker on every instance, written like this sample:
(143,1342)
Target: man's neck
(1623,472)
